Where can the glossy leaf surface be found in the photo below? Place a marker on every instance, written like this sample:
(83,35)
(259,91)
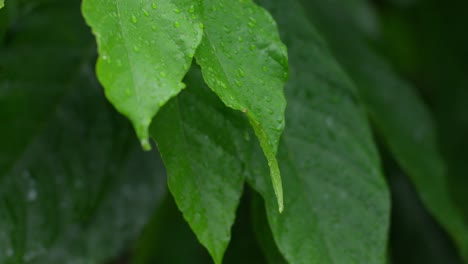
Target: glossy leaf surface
(399,115)
(198,143)
(245,63)
(335,193)
(145,49)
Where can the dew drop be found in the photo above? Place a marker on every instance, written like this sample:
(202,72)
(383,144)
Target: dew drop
(201,26)
(154,28)
(238,83)
(191,9)
(252,47)
(145,12)
(176,24)
(10,252)
(136,48)
(177,11)
(182,85)
(241,72)
(154,5)
(162,74)
(134,19)
(32,195)
(264,68)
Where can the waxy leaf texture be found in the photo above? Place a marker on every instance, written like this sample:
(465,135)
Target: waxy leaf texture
(145,50)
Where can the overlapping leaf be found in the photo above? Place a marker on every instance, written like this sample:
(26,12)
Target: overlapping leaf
(398,113)
(145,48)
(2,4)
(199,145)
(245,64)
(337,204)
(73,187)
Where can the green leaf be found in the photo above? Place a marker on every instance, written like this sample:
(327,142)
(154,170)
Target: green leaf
(399,114)
(263,232)
(337,203)
(168,239)
(2,4)
(145,49)
(73,186)
(198,143)
(245,64)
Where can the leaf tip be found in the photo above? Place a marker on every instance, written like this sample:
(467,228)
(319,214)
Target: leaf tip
(145,144)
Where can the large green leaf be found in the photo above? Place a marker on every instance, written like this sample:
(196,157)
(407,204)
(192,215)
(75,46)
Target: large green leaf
(145,49)
(73,186)
(198,143)
(336,202)
(398,113)
(245,63)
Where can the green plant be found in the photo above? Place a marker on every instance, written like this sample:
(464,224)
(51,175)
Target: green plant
(262,114)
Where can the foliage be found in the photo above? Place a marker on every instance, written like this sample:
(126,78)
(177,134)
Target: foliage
(287,130)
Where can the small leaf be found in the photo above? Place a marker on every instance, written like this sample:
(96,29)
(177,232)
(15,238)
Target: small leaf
(337,203)
(245,64)
(2,4)
(145,50)
(198,144)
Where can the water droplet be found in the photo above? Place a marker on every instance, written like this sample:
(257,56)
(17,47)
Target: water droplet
(238,83)
(182,85)
(252,47)
(154,28)
(191,9)
(240,39)
(241,72)
(227,29)
(145,144)
(176,24)
(264,68)
(246,135)
(145,12)
(268,98)
(154,5)
(32,195)
(136,48)
(177,11)
(134,19)
(162,74)
(213,8)
(201,26)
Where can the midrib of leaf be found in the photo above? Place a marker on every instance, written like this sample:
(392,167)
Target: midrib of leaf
(188,158)
(217,57)
(130,61)
(272,162)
